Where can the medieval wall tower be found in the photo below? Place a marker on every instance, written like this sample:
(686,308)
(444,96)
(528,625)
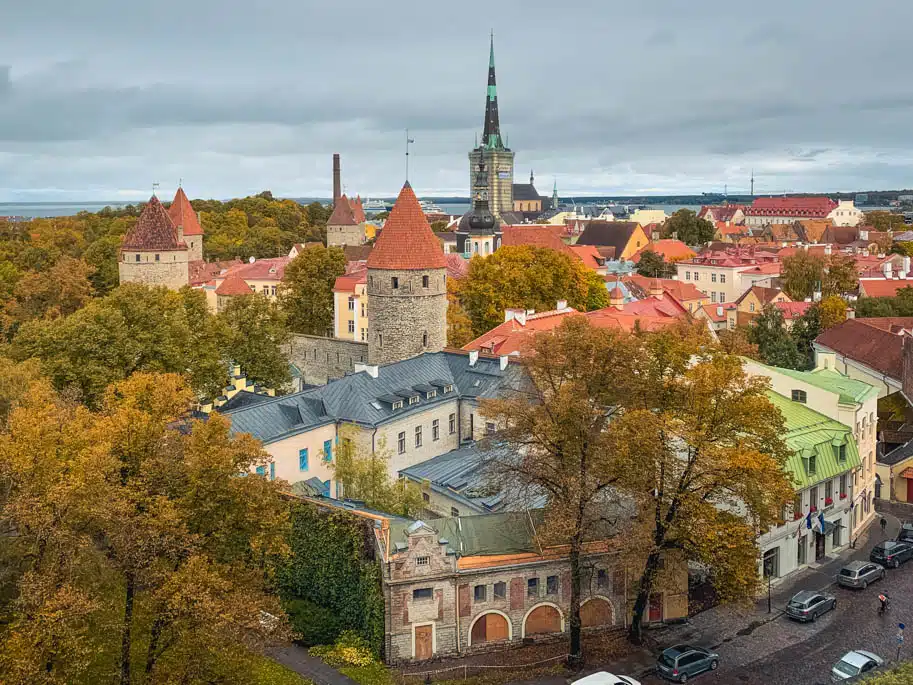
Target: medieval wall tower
(188,225)
(154,252)
(498,157)
(407,286)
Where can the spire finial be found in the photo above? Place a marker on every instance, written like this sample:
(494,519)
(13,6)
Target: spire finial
(180,183)
(154,187)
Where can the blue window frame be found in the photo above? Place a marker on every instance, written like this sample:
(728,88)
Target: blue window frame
(261,470)
(303,459)
(272,470)
(328,450)
(326,488)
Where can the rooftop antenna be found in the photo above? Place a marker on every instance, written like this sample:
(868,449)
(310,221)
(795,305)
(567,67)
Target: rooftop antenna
(752,182)
(409,141)
(154,187)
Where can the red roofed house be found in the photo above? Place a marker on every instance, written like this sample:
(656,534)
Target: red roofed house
(670,250)
(407,286)
(343,226)
(718,272)
(534,235)
(591,257)
(154,252)
(686,294)
(792,311)
(753,301)
(785,210)
(730,215)
(187,221)
(720,316)
(350,304)
(261,276)
(232,286)
(882,287)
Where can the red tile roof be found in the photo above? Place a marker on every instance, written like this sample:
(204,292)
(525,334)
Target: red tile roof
(202,272)
(722,213)
(535,235)
(717,312)
(358,210)
(792,310)
(765,295)
(811,207)
(589,255)
(873,342)
(683,292)
(457,267)
(182,214)
(271,269)
(342,214)
(770,268)
(406,241)
(671,250)
(154,230)
(233,285)
(882,287)
(347,282)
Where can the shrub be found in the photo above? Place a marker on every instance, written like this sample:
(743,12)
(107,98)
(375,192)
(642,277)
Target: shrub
(350,649)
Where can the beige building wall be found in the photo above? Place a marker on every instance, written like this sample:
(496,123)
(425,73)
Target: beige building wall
(286,456)
(722,284)
(165,267)
(350,322)
(412,454)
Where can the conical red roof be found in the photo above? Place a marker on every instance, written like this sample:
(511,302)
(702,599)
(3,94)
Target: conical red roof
(342,213)
(358,210)
(182,214)
(406,241)
(233,285)
(153,230)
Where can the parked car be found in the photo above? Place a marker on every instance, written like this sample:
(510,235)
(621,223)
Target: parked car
(854,663)
(681,662)
(860,574)
(891,553)
(906,532)
(603,678)
(808,605)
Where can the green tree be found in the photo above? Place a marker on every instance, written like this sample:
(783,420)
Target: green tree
(459,325)
(804,331)
(801,273)
(254,334)
(775,345)
(687,227)
(840,276)
(306,292)
(102,256)
(527,277)
(885,221)
(652,265)
(832,311)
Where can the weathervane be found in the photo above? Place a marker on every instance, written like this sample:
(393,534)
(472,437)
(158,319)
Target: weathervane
(154,187)
(408,142)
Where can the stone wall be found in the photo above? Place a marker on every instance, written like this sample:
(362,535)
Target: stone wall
(408,319)
(322,359)
(338,236)
(168,268)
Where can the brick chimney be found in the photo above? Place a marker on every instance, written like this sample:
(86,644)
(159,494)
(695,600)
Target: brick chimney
(337,180)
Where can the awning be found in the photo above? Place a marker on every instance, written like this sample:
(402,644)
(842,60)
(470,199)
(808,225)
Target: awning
(907,472)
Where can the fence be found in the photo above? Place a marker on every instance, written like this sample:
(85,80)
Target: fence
(466,670)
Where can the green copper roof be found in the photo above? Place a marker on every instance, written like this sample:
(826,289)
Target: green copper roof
(850,390)
(809,433)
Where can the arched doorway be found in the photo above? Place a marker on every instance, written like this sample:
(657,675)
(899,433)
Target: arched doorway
(596,612)
(544,618)
(489,628)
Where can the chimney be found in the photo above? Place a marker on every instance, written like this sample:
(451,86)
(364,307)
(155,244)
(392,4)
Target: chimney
(562,304)
(827,250)
(886,270)
(371,369)
(502,360)
(518,315)
(656,288)
(337,180)
(863,234)
(473,357)
(616,298)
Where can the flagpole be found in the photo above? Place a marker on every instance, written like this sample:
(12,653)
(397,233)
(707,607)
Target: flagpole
(408,141)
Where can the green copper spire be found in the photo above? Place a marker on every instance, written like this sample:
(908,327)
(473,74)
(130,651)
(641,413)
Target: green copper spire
(491,133)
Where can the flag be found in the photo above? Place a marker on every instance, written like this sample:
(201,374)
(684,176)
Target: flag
(821,521)
(808,520)
(410,140)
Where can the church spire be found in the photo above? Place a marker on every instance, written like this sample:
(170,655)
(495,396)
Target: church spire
(491,134)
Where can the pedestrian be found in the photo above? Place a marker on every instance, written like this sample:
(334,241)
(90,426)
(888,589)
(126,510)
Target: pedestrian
(884,524)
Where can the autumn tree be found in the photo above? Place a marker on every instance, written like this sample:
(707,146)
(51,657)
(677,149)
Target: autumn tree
(306,292)
(832,311)
(137,545)
(885,221)
(687,227)
(459,325)
(801,274)
(17,378)
(652,265)
(60,291)
(710,462)
(529,278)
(840,275)
(255,333)
(364,473)
(775,345)
(558,430)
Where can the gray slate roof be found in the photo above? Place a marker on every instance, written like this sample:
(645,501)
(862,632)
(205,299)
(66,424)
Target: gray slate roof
(356,397)
(897,455)
(525,192)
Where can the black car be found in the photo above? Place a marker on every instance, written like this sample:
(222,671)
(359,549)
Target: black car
(891,553)
(906,532)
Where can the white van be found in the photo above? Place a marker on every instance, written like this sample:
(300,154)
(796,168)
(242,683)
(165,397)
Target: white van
(603,678)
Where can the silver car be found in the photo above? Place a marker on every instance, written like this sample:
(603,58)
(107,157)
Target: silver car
(855,663)
(860,574)
(809,605)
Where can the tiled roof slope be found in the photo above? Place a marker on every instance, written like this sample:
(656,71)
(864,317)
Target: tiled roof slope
(870,341)
(182,214)
(534,236)
(342,214)
(807,433)
(791,206)
(608,234)
(233,285)
(358,210)
(153,230)
(354,397)
(671,250)
(407,242)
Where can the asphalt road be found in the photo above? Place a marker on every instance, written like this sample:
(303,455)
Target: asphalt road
(790,653)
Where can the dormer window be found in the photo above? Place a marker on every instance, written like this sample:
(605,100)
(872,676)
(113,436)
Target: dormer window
(448,388)
(397,405)
(799,396)
(430,394)
(811,466)
(413,400)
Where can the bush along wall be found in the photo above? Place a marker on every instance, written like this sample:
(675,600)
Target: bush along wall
(331,582)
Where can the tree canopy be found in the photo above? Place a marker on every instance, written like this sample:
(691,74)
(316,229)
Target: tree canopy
(775,345)
(306,292)
(802,272)
(652,265)
(527,277)
(255,333)
(899,305)
(687,227)
(885,221)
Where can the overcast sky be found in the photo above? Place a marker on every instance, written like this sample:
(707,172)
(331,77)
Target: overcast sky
(100,98)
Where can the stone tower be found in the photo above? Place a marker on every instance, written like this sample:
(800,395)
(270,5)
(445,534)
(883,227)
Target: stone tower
(343,226)
(499,158)
(407,286)
(153,251)
(187,222)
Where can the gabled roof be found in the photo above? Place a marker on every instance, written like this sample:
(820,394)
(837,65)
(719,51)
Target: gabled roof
(406,241)
(792,310)
(841,235)
(717,312)
(358,209)
(764,295)
(525,192)
(183,215)
(589,255)
(873,342)
(609,234)
(342,214)
(883,287)
(153,230)
(534,236)
(347,282)
(681,291)
(233,285)
(671,250)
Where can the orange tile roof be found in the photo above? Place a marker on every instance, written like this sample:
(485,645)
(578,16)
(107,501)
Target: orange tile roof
(723,228)
(270,269)
(457,267)
(342,214)
(882,287)
(182,214)
(589,255)
(358,210)
(671,250)
(717,312)
(769,268)
(683,292)
(535,235)
(406,241)
(154,230)
(347,282)
(792,310)
(233,285)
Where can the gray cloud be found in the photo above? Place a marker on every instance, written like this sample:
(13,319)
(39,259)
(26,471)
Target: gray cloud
(607,97)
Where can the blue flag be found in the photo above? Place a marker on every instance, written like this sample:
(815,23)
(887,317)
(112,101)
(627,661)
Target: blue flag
(808,520)
(821,521)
